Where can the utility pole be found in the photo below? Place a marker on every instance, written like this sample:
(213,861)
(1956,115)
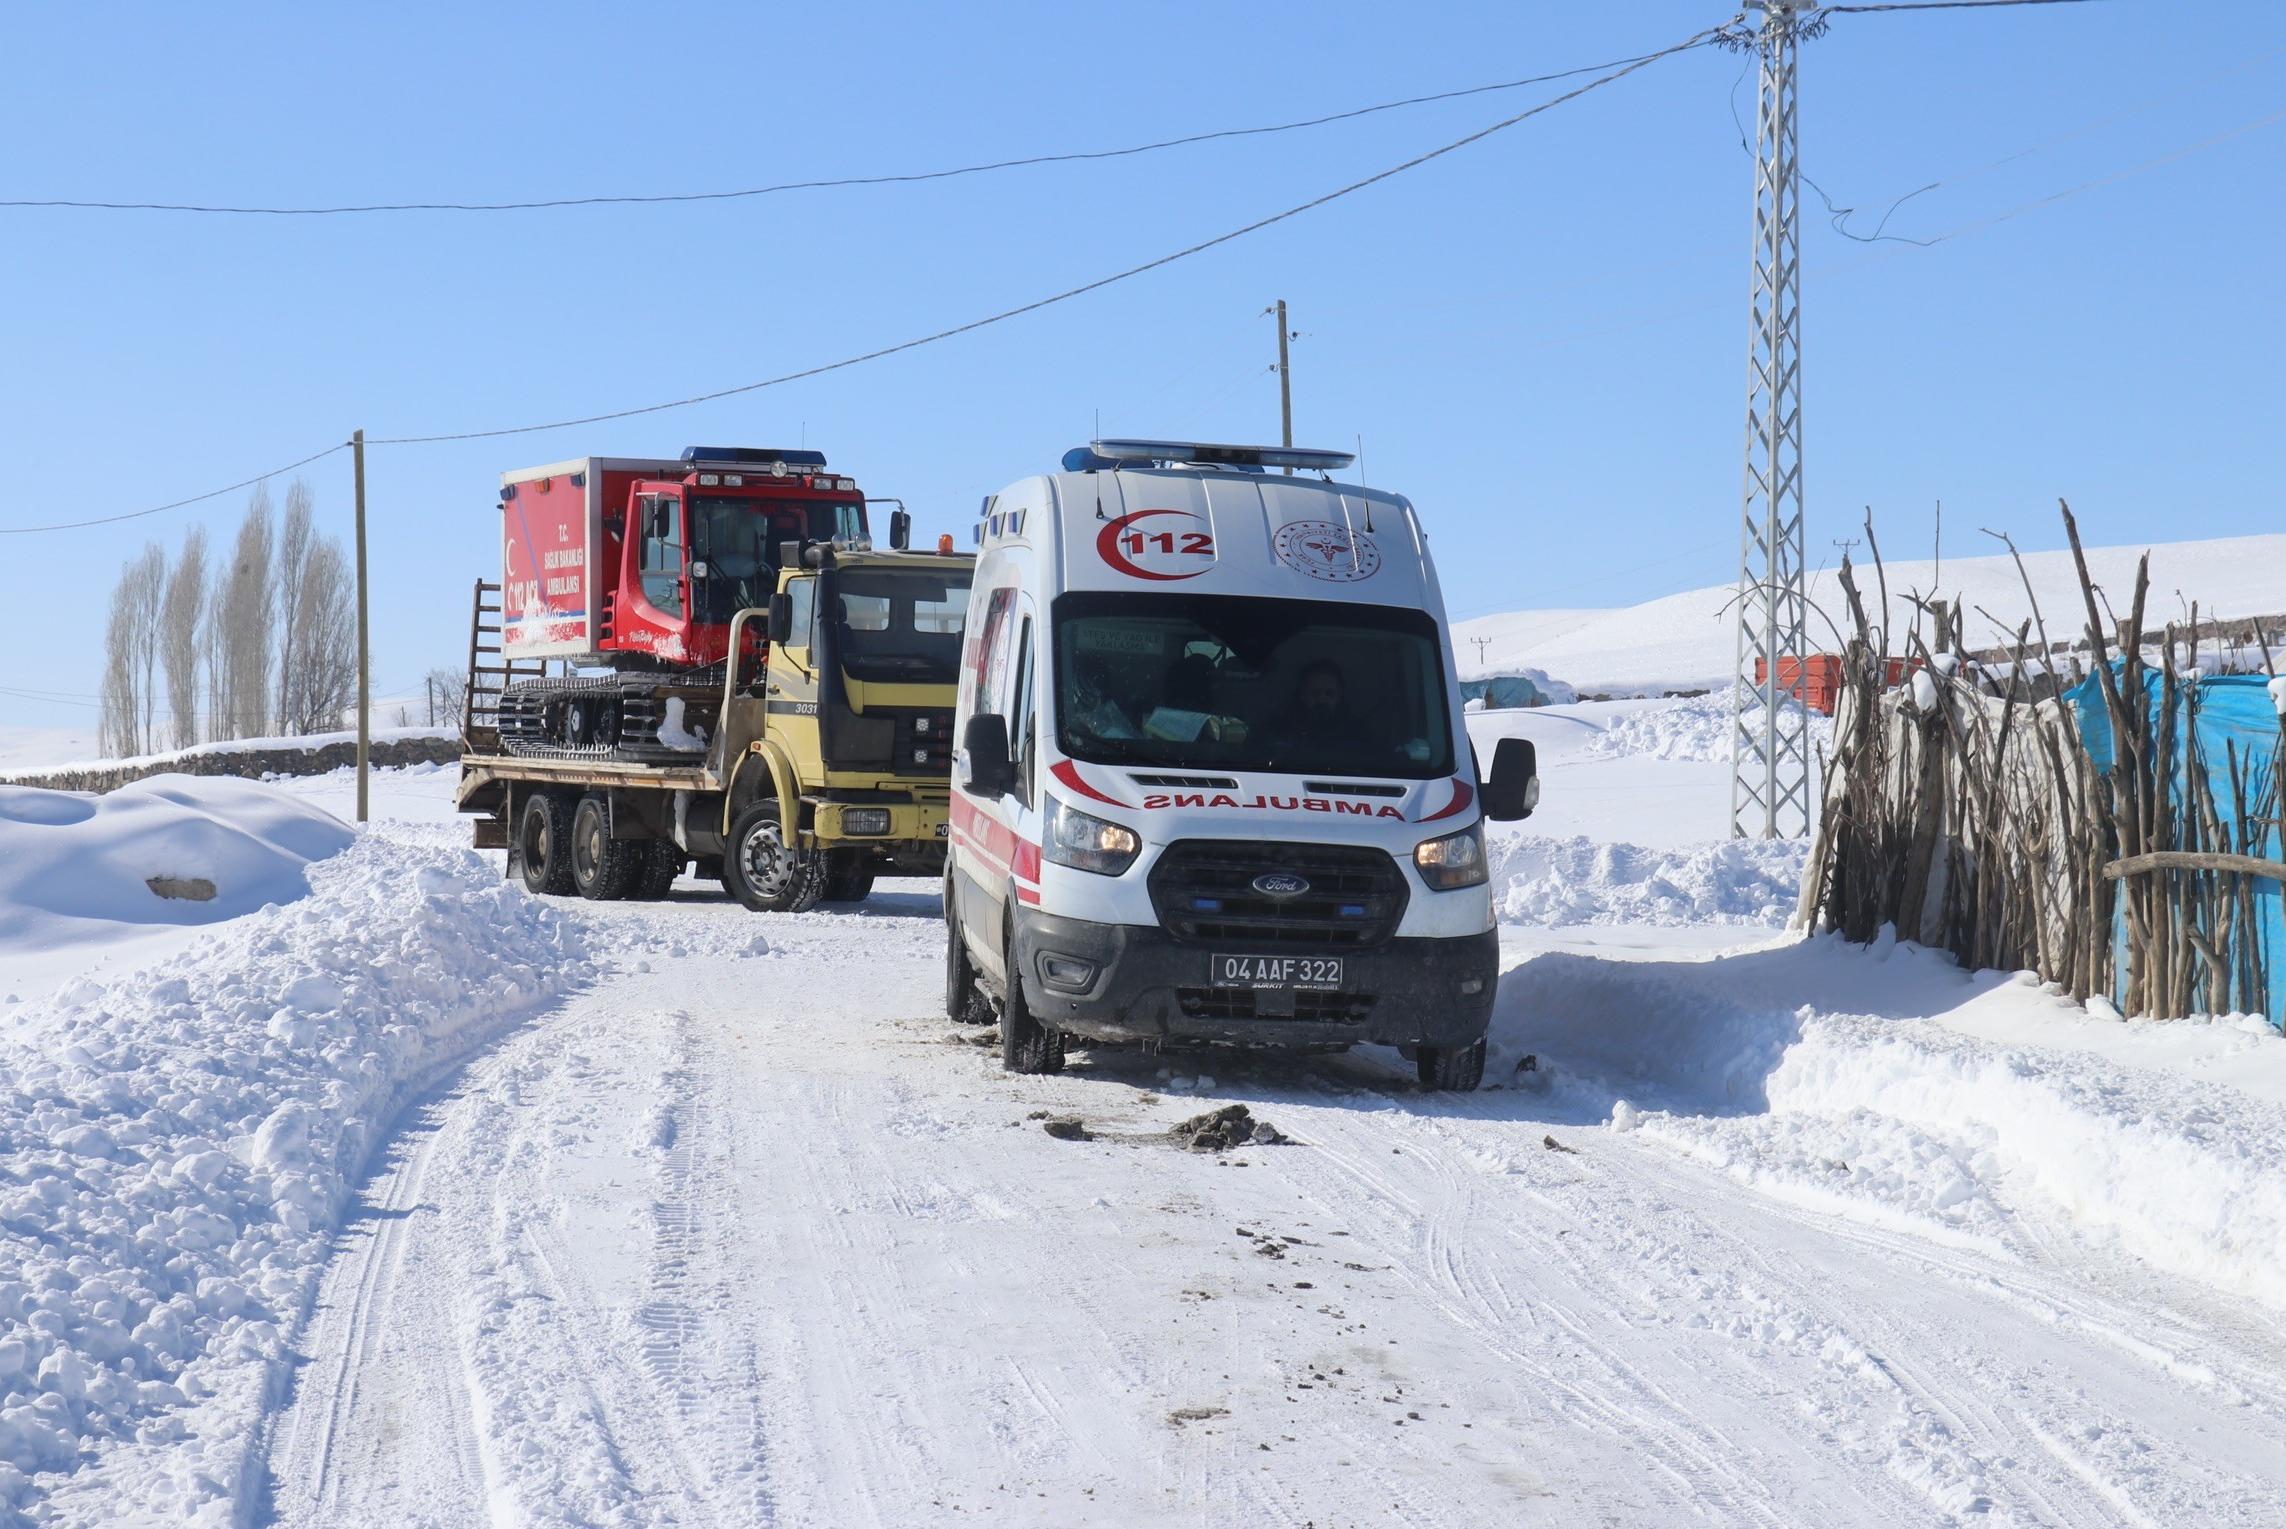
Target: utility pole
(364,647)
(1285,385)
(1285,379)
(1770,756)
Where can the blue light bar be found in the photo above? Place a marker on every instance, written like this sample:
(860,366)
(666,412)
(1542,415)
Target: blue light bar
(1207,454)
(752,456)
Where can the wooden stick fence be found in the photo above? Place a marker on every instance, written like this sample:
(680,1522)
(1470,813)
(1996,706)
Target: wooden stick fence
(1966,810)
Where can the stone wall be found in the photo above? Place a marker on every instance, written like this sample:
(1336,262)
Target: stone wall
(283,758)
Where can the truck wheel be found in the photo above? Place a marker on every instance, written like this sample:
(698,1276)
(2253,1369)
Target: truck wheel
(1450,1069)
(1026,1045)
(543,844)
(603,868)
(848,878)
(764,871)
(965,1003)
(660,871)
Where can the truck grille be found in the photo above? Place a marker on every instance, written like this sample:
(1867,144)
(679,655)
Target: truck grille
(924,743)
(1308,1008)
(1203,890)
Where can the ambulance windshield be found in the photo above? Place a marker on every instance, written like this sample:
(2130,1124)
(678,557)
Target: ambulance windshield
(1300,687)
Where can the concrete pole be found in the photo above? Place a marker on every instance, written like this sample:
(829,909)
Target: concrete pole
(364,645)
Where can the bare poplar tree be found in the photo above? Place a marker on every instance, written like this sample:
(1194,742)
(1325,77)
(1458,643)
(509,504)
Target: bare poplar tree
(146,583)
(325,642)
(214,655)
(245,612)
(130,655)
(297,535)
(121,707)
(180,644)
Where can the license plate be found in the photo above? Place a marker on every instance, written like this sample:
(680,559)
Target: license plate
(1311,973)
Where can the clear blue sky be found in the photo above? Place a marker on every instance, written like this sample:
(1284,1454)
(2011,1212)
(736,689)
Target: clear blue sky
(1541,338)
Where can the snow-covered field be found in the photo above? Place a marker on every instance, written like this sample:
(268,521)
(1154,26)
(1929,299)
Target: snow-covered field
(1685,641)
(415,1200)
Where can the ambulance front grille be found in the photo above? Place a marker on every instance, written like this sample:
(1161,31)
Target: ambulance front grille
(1204,892)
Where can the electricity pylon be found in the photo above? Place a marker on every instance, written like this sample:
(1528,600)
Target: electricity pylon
(1770,755)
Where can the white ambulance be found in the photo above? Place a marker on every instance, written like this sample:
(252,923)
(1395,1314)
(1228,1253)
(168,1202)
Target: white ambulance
(1212,782)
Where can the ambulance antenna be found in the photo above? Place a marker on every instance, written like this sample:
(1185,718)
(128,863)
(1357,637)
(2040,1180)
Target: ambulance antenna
(1361,483)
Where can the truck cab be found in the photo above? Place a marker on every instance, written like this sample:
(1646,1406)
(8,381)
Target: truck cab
(693,549)
(1213,783)
(838,752)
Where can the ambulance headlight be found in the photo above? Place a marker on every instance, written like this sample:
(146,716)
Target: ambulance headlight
(1087,843)
(1452,862)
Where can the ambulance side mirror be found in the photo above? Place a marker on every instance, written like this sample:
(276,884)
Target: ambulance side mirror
(987,769)
(1514,788)
(781,618)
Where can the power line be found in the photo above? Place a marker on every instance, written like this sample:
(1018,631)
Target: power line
(1696,40)
(911,178)
(160,509)
(1938,5)
(1620,72)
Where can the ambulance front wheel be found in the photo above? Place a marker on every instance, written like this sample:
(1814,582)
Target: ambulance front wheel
(1026,1045)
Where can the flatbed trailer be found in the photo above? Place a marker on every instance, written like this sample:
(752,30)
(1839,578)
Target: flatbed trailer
(781,819)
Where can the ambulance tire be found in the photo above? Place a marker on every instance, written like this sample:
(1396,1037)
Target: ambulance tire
(764,870)
(604,869)
(1026,1045)
(543,844)
(965,1003)
(1450,1069)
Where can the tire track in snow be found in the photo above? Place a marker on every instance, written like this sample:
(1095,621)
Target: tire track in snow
(691,1288)
(334,1420)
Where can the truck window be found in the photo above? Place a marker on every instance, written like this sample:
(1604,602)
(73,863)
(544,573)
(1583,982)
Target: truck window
(801,599)
(865,613)
(942,616)
(662,554)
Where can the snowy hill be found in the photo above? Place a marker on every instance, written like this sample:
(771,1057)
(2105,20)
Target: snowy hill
(1684,641)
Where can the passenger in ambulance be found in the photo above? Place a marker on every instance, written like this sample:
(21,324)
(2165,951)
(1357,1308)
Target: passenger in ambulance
(1318,711)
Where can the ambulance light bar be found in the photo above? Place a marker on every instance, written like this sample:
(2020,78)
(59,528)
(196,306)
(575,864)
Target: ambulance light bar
(1205,454)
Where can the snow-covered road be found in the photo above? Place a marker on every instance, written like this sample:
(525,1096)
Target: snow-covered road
(745,1234)
(419,1201)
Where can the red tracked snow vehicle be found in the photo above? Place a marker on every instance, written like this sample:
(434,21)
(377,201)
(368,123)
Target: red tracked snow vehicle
(637,565)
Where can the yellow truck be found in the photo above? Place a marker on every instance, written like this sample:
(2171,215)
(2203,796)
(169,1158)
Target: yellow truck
(814,758)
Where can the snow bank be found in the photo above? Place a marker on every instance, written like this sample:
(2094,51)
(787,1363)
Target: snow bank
(75,866)
(1695,728)
(1583,881)
(176,1148)
(1898,1119)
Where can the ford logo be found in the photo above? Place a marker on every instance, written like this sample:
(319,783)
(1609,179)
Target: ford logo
(1280,884)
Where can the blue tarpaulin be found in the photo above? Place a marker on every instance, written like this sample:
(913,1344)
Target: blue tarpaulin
(2229,713)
